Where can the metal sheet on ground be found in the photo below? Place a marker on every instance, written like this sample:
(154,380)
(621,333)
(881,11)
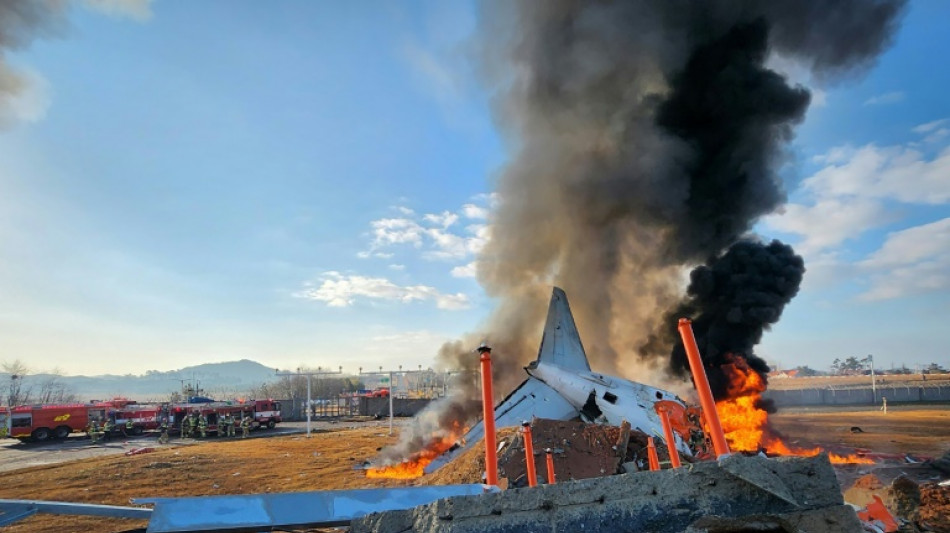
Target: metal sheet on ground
(300,509)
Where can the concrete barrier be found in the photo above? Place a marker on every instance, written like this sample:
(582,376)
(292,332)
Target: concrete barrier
(859,395)
(734,494)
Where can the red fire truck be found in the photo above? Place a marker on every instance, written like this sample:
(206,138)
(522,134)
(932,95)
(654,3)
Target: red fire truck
(266,413)
(144,417)
(43,422)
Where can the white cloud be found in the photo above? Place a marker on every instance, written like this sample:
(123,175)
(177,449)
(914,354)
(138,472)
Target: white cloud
(139,10)
(404,210)
(397,267)
(892,172)
(911,261)
(388,231)
(828,222)
(466,271)
(474,211)
(444,219)
(339,290)
(886,98)
(435,233)
(930,126)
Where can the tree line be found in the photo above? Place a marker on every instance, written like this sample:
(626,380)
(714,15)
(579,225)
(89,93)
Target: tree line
(25,387)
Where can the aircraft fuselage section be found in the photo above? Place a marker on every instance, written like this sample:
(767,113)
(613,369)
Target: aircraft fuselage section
(615,399)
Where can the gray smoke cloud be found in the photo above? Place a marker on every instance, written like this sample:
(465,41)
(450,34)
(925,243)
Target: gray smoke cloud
(23,93)
(644,138)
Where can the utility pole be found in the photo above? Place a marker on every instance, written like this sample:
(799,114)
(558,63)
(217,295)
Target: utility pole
(319,372)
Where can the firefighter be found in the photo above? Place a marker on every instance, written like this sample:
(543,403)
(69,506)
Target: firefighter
(163,438)
(184,426)
(203,426)
(107,429)
(93,430)
(246,426)
(192,423)
(229,424)
(128,426)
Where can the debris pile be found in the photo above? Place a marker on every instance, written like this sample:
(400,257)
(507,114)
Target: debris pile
(737,493)
(915,506)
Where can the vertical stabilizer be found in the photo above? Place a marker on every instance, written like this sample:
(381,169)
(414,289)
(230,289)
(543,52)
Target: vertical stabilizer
(561,344)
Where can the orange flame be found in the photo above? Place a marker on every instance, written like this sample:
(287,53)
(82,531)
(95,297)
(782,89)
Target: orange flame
(414,466)
(746,424)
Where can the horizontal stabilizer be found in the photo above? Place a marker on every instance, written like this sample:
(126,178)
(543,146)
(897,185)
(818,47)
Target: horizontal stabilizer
(532,399)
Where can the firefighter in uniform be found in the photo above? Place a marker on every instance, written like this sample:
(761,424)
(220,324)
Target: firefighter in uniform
(229,425)
(107,429)
(163,438)
(192,424)
(184,427)
(245,426)
(128,427)
(203,426)
(93,430)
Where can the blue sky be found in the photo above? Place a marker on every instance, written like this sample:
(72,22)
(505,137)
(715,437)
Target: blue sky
(309,183)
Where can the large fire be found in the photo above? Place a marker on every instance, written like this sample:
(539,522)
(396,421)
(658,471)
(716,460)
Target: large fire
(413,467)
(745,423)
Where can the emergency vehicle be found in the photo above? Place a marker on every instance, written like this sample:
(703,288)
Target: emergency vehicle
(43,422)
(265,413)
(144,417)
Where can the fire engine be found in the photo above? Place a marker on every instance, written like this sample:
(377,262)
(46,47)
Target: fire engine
(43,422)
(144,417)
(265,413)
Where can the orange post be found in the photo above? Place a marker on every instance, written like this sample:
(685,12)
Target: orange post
(668,434)
(651,453)
(550,461)
(718,438)
(488,419)
(529,454)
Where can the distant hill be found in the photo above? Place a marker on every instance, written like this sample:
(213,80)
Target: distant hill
(215,379)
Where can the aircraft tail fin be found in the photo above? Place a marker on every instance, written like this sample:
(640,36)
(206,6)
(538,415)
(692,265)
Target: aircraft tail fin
(561,344)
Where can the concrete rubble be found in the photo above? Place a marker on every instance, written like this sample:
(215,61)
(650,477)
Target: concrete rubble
(737,493)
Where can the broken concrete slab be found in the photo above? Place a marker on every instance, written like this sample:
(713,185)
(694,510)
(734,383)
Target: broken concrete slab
(662,501)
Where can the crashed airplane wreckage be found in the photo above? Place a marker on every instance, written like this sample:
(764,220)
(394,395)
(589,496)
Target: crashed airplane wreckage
(784,494)
(561,386)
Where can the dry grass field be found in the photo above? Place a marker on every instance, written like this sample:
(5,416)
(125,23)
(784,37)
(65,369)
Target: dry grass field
(325,461)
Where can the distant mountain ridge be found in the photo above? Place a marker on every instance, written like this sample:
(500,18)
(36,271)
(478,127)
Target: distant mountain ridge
(221,379)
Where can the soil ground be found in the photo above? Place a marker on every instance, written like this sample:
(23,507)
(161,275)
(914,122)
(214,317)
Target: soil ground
(326,461)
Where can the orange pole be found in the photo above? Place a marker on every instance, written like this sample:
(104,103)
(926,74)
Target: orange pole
(706,400)
(529,454)
(668,433)
(550,460)
(651,453)
(488,418)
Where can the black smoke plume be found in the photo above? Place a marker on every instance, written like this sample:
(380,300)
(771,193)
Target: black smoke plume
(732,300)
(644,137)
